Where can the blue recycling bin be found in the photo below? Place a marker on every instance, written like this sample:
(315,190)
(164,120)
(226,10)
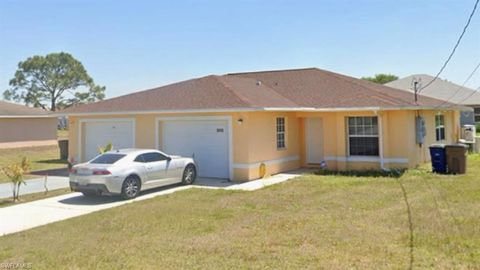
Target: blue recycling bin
(439,158)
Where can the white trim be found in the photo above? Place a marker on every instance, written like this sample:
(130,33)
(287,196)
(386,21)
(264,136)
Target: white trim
(380,141)
(92,120)
(277,109)
(266,162)
(366,159)
(201,118)
(347,131)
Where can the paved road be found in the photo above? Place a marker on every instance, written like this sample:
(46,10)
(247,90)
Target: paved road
(25,216)
(35,185)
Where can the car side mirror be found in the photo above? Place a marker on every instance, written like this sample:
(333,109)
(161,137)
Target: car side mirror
(169,158)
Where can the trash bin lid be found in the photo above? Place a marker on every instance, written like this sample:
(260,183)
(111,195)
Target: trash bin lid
(438,145)
(457,145)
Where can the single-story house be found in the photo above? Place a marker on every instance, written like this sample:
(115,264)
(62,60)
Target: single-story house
(25,126)
(237,125)
(447,91)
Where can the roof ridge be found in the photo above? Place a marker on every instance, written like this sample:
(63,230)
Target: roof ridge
(223,83)
(266,84)
(273,70)
(253,79)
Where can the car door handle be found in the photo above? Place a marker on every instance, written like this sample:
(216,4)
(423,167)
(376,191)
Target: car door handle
(149,168)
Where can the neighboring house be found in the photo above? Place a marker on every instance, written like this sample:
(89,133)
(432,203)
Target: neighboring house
(25,126)
(286,119)
(447,91)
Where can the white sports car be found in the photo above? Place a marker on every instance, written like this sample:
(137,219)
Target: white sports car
(126,172)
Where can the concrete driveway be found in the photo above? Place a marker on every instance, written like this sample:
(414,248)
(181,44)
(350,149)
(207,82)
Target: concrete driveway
(37,213)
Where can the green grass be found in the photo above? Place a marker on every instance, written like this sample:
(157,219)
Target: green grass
(42,158)
(419,220)
(33,197)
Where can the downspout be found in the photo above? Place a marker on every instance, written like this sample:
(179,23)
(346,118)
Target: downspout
(380,142)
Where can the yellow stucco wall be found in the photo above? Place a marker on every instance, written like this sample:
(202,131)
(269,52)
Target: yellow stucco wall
(254,140)
(399,146)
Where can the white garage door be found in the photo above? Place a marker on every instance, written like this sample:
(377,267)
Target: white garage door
(98,134)
(205,141)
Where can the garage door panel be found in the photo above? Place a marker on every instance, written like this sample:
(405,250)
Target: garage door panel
(205,141)
(98,134)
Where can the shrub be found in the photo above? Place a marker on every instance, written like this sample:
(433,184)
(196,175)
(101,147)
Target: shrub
(15,173)
(395,173)
(106,148)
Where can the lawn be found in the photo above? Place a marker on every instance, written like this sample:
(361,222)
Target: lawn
(42,158)
(419,220)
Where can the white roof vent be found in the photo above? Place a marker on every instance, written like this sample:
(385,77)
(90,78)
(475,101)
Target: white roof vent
(259,83)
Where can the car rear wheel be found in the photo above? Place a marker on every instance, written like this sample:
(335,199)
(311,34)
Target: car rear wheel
(189,174)
(130,187)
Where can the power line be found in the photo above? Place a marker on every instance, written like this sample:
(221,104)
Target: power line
(461,87)
(474,92)
(454,48)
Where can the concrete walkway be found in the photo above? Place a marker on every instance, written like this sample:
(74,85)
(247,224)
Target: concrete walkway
(37,213)
(35,185)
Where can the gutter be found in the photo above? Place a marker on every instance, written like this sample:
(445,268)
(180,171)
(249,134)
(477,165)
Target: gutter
(28,116)
(267,109)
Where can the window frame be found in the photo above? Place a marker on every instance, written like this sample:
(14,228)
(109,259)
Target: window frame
(280,122)
(476,114)
(349,135)
(439,128)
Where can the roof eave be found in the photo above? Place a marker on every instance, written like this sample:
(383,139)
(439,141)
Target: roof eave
(291,109)
(28,116)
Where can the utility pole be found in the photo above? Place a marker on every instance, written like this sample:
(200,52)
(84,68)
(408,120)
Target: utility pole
(415,90)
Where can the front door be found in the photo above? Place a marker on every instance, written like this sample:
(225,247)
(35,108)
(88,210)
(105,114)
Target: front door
(313,140)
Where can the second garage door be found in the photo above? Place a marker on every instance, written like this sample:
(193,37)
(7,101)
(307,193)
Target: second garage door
(98,133)
(206,141)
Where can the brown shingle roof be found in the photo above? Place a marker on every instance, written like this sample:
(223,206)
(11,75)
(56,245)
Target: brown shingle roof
(11,109)
(312,88)
(317,88)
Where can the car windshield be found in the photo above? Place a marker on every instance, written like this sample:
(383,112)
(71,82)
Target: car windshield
(107,159)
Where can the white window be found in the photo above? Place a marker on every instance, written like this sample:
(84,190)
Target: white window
(280,132)
(476,111)
(439,127)
(363,136)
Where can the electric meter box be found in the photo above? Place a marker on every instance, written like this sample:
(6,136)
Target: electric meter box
(420,130)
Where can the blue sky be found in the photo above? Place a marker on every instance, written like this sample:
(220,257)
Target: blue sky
(135,45)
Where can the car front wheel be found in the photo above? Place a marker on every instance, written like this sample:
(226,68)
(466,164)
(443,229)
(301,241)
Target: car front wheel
(189,174)
(130,187)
